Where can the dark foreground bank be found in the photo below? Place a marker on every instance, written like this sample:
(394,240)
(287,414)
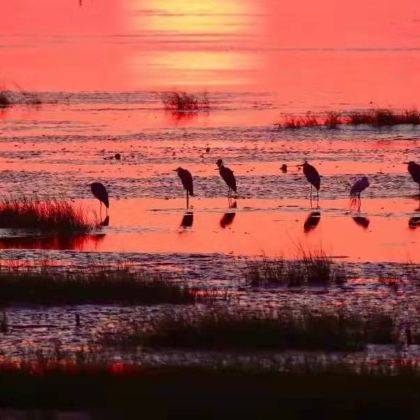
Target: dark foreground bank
(209,393)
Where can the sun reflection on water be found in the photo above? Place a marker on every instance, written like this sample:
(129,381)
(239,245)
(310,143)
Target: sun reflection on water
(186,43)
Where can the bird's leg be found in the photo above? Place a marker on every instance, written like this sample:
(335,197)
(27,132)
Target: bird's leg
(188,200)
(100,210)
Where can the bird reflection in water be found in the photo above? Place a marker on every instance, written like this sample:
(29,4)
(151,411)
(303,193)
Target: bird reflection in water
(414,222)
(228,218)
(312,221)
(361,221)
(187,219)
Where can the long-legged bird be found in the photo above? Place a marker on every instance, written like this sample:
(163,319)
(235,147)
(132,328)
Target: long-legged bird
(187,182)
(99,191)
(414,170)
(228,177)
(312,176)
(359,186)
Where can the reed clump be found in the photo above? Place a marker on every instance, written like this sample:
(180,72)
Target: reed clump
(18,97)
(379,117)
(4,99)
(311,269)
(221,330)
(292,122)
(52,216)
(48,285)
(184,102)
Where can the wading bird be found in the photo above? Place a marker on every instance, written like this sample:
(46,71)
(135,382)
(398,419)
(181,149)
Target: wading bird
(187,182)
(228,177)
(99,191)
(312,176)
(414,170)
(359,186)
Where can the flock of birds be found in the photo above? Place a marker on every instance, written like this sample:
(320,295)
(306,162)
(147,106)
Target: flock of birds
(310,172)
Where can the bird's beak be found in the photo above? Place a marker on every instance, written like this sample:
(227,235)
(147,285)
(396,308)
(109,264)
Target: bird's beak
(405,163)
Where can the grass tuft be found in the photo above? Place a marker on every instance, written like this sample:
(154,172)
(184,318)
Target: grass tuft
(183,101)
(50,216)
(380,117)
(332,120)
(4,99)
(49,285)
(220,330)
(313,269)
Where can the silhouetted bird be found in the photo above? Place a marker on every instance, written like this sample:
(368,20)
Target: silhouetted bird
(312,176)
(312,221)
(227,175)
(359,186)
(99,191)
(284,168)
(414,170)
(187,181)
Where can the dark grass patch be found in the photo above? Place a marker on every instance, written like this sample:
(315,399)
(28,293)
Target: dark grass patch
(220,329)
(313,269)
(292,122)
(206,393)
(47,285)
(380,117)
(4,99)
(52,216)
(18,97)
(184,102)
(332,120)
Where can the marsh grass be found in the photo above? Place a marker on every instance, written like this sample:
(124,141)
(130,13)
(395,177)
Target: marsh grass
(121,391)
(49,285)
(311,269)
(52,216)
(220,329)
(4,99)
(332,120)
(380,117)
(18,97)
(292,122)
(185,102)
